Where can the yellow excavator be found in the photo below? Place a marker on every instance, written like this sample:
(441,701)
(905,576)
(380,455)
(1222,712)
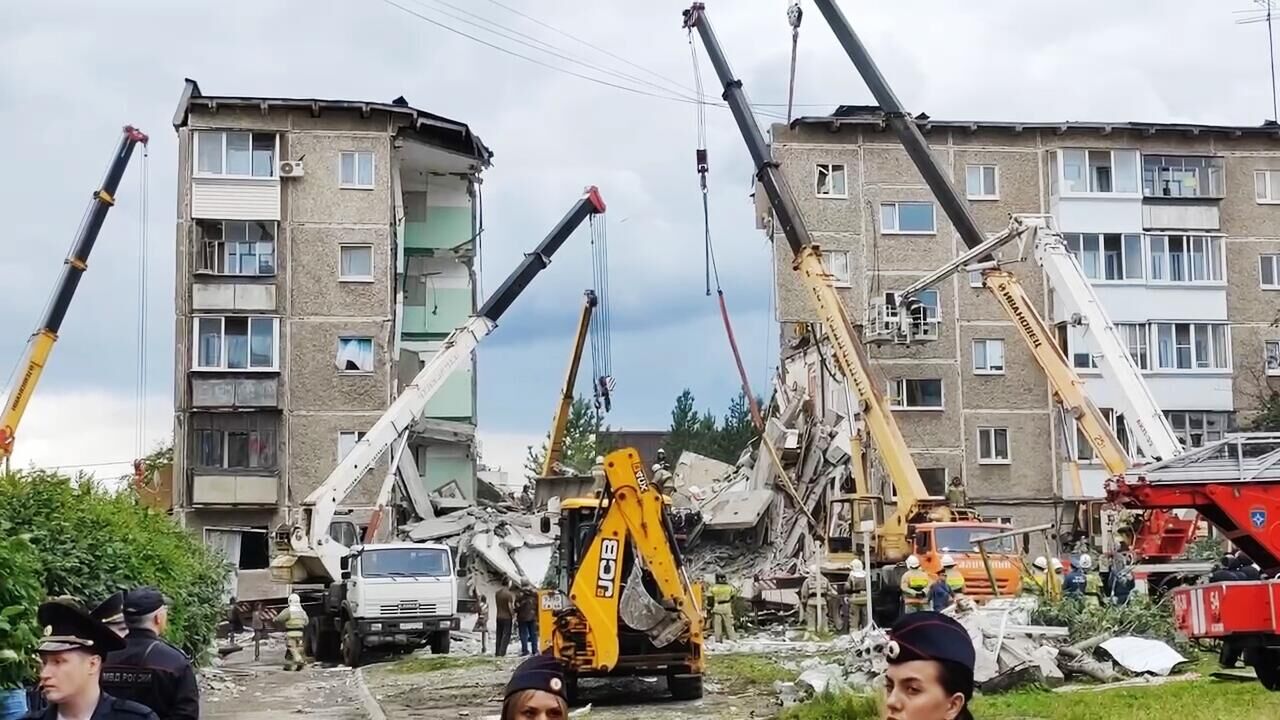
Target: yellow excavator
(624,604)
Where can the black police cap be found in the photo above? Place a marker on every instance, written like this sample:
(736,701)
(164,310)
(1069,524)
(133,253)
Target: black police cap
(930,636)
(110,610)
(539,672)
(142,601)
(67,627)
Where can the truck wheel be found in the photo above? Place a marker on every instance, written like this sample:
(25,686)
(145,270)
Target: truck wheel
(440,643)
(352,646)
(685,686)
(1266,664)
(571,688)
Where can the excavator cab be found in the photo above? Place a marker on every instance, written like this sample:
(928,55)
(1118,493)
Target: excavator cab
(849,518)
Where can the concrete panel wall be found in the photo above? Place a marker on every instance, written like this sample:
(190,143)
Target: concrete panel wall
(928,428)
(1242,215)
(1247,302)
(313,454)
(315,288)
(1029,475)
(1252,385)
(317,198)
(1021,386)
(316,384)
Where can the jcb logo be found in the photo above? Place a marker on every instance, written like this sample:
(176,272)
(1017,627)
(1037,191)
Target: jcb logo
(607,571)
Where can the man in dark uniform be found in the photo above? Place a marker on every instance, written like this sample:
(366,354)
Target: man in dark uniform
(149,670)
(110,612)
(71,656)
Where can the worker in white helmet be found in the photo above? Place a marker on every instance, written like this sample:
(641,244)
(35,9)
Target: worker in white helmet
(857,595)
(1038,580)
(914,586)
(1054,580)
(955,578)
(1092,581)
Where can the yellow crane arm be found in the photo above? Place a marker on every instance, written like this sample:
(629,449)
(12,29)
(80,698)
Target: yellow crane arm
(560,421)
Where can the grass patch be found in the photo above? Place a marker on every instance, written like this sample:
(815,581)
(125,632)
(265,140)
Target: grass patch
(436,663)
(827,706)
(1205,699)
(741,672)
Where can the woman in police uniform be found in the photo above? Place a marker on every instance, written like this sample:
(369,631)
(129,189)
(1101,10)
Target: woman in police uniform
(536,691)
(930,669)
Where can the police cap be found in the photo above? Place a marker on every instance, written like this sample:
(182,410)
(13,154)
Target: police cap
(930,636)
(110,610)
(142,601)
(67,627)
(539,672)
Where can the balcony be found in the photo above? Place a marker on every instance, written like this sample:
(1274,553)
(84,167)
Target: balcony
(235,392)
(234,488)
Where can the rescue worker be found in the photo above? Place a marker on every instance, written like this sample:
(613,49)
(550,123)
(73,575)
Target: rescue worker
(930,675)
(914,586)
(294,619)
(857,595)
(722,595)
(149,670)
(662,472)
(598,478)
(1038,579)
(813,597)
(1073,585)
(955,578)
(72,652)
(110,612)
(956,496)
(1054,588)
(661,462)
(939,594)
(1092,581)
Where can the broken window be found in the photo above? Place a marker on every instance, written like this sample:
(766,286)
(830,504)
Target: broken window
(830,181)
(980,182)
(1271,356)
(355,262)
(993,445)
(907,217)
(915,394)
(935,481)
(245,548)
(242,154)
(235,247)
(355,169)
(234,441)
(355,354)
(235,343)
(988,357)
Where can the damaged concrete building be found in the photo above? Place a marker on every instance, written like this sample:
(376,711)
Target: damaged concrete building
(324,249)
(1173,224)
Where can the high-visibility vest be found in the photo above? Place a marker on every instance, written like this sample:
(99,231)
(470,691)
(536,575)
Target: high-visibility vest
(915,585)
(955,580)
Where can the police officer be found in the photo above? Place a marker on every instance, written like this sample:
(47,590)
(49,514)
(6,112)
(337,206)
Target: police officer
(71,657)
(110,612)
(930,673)
(149,670)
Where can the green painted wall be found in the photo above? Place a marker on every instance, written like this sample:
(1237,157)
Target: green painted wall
(441,471)
(451,308)
(453,401)
(442,228)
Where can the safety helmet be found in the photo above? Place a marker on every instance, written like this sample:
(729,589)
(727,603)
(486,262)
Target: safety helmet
(1041,563)
(599,459)
(913,562)
(1057,565)
(1086,562)
(856,565)
(662,453)
(948,561)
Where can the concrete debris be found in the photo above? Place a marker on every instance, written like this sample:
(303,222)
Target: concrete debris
(1142,655)
(822,678)
(698,470)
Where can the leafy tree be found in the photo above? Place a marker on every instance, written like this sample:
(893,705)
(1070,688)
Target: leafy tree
(1268,417)
(20,593)
(580,441)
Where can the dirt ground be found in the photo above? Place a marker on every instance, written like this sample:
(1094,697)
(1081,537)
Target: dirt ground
(247,690)
(430,688)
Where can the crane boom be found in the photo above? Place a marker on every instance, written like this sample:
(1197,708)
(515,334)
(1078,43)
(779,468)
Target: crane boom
(894,452)
(309,541)
(555,443)
(41,343)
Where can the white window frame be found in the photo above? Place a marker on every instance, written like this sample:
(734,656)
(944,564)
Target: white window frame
(1090,190)
(224,252)
(994,193)
(831,169)
(1271,357)
(839,280)
(355,278)
(986,345)
(1141,332)
(1273,259)
(373,361)
(896,391)
(1118,426)
(359,435)
(373,170)
(1270,186)
(1096,272)
(1181,422)
(885,229)
(202,135)
(1210,175)
(1192,331)
(1212,241)
(975,279)
(1008,459)
(222,350)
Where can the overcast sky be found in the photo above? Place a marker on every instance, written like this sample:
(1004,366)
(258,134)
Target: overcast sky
(74,72)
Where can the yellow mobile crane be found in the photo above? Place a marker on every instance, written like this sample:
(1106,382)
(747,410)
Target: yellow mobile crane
(560,421)
(41,343)
(919,519)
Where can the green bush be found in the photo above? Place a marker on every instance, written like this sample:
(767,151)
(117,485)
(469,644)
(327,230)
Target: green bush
(92,541)
(1140,616)
(835,706)
(20,593)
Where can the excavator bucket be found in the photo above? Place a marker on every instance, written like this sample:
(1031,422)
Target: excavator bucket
(640,611)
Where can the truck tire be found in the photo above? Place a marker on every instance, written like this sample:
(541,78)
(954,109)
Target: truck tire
(439,642)
(352,645)
(685,686)
(1266,664)
(320,640)
(571,688)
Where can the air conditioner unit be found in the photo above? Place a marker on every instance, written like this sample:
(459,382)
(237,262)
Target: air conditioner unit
(290,168)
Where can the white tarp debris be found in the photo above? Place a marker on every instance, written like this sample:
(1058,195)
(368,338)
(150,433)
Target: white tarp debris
(1141,655)
(825,677)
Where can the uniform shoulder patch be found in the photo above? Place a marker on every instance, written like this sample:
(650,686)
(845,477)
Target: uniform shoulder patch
(131,707)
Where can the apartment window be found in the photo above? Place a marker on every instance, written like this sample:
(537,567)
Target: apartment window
(1186,258)
(355,262)
(1100,171)
(234,441)
(981,182)
(355,355)
(975,278)
(907,217)
(925,314)
(235,247)
(988,357)
(1195,429)
(1107,256)
(1269,272)
(829,181)
(1084,450)
(915,394)
(934,479)
(347,440)
(1134,336)
(1266,186)
(236,154)
(1271,356)
(1178,176)
(355,169)
(993,445)
(236,343)
(837,264)
(1192,346)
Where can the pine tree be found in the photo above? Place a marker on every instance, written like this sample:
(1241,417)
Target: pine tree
(684,426)
(737,430)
